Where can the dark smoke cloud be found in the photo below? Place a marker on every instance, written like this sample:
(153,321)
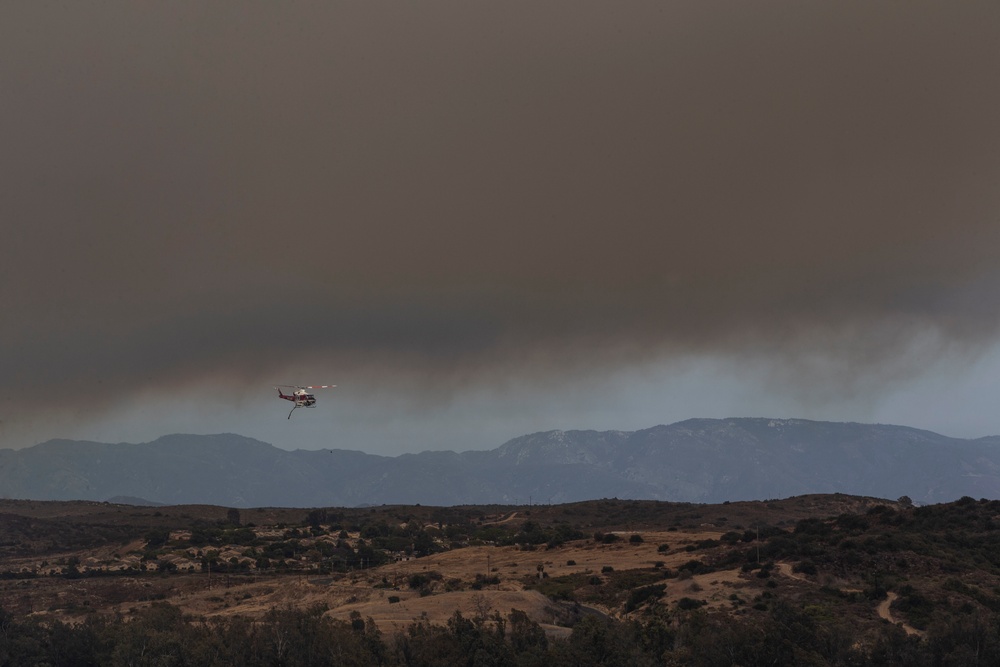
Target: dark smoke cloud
(459,189)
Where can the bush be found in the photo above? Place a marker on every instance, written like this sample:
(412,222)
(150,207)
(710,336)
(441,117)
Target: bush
(635,539)
(639,596)
(696,567)
(558,588)
(804,567)
(157,537)
(690,603)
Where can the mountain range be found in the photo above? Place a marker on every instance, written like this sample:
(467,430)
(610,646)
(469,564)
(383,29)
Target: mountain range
(697,460)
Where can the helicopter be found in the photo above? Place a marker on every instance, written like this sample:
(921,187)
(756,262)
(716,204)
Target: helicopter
(300,397)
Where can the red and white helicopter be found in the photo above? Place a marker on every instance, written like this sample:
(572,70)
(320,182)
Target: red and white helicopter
(300,397)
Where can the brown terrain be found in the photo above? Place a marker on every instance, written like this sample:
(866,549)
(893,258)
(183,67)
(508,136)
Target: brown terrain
(655,543)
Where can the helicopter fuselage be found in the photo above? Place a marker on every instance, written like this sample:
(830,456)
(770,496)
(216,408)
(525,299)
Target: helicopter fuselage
(299,398)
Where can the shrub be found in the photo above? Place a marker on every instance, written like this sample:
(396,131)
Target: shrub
(690,603)
(640,595)
(696,567)
(157,537)
(804,567)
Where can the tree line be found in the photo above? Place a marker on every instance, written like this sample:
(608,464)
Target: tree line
(161,636)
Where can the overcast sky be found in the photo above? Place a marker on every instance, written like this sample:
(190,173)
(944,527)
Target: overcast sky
(482,219)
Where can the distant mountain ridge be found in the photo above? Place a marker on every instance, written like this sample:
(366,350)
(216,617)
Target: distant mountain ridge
(697,460)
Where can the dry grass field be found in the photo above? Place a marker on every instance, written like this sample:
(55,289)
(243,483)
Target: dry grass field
(653,543)
(836,577)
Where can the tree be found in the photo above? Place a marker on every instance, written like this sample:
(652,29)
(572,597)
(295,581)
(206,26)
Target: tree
(423,544)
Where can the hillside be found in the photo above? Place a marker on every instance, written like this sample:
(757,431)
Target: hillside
(698,460)
(828,579)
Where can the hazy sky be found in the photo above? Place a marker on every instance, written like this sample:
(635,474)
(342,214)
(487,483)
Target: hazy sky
(482,219)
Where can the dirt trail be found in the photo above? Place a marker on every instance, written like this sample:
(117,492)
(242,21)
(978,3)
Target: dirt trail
(882,609)
(884,612)
(786,569)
